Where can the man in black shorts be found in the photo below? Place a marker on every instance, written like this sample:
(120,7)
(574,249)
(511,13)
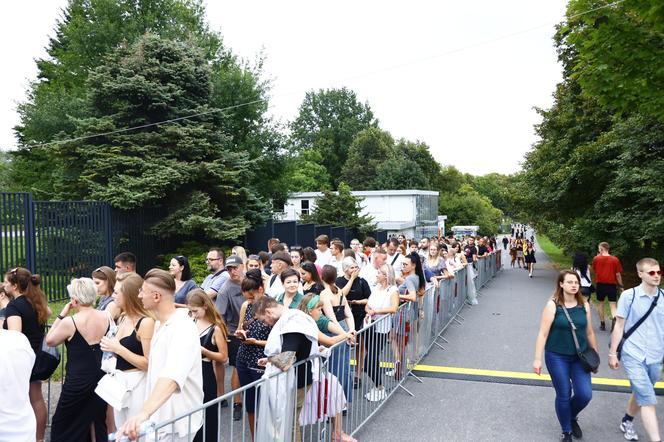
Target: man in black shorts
(608,282)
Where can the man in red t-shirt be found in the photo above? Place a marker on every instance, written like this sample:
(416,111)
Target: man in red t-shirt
(608,282)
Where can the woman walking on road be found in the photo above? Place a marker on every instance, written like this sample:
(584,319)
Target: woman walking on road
(556,343)
(529,255)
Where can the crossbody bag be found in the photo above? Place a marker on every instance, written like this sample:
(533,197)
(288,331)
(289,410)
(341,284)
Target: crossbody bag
(629,332)
(589,357)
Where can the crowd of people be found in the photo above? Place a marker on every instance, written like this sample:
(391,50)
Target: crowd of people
(153,347)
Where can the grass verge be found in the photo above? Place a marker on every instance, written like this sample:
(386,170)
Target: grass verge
(556,255)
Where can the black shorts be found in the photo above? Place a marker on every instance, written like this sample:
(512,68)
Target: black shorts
(607,291)
(233,347)
(585,291)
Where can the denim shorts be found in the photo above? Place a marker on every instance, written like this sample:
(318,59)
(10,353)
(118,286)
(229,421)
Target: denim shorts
(642,378)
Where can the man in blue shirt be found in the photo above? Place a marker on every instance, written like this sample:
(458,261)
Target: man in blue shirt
(643,351)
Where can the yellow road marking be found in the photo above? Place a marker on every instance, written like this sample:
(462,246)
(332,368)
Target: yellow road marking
(507,374)
(517,375)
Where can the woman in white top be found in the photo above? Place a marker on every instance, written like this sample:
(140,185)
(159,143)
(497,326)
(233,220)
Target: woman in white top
(384,301)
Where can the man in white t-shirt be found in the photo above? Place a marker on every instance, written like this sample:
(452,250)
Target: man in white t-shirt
(370,271)
(394,258)
(17,419)
(323,252)
(174,378)
(360,257)
(337,256)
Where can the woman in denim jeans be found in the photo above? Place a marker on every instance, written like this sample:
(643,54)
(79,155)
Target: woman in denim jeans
(555,341)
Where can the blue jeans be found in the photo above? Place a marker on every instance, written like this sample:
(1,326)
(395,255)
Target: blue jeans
(567,376)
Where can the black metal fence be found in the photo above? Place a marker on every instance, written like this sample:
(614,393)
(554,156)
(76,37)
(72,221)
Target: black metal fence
(304,235)
(62,240)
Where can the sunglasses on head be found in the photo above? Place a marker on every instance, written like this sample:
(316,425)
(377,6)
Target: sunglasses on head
(655,272)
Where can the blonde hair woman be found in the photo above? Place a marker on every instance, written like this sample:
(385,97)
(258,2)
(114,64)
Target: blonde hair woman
(80,412)
(131,343)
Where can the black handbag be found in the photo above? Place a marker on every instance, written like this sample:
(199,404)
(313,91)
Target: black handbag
(47,360)
(589,357)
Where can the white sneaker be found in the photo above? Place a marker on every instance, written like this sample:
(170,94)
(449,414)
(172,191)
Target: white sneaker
(627,427)
(390,373)
(376,394)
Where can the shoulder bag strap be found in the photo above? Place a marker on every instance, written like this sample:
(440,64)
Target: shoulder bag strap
(643,318)
(396,256)
(573,327)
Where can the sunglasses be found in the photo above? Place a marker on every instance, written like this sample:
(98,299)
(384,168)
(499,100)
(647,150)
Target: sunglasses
(655,272)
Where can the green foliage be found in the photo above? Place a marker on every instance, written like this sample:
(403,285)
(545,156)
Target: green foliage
(369,150)
(90,33)
(451,180)
(189,167)
(306,173)
(467,207)
(618,54)
(340,209)
(595,174)
(196,253)
(328,121)
(428,169)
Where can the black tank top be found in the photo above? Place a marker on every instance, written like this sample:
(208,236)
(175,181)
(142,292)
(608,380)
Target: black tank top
(132,344)
(206,340)
(340,310)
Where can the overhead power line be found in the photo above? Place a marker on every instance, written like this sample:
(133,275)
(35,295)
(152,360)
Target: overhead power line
(364,74)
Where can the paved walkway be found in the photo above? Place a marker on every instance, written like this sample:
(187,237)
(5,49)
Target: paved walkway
(497,334)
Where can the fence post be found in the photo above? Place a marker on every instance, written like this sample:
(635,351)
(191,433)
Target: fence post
(108,226)
(29,233)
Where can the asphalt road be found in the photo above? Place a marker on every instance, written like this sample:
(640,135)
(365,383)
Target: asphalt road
(497,334)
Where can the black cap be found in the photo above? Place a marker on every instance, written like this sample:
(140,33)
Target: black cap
(233,261)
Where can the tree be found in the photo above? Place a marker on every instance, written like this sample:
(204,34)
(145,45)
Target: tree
(340,209)
(88,32)
(305,173)
(450,180)
(369,150)
(189,168)
(618,54)
(328,121)
(468,207)
(398,174)
(429,169)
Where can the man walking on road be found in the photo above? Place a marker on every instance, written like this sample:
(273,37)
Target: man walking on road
(643,348)
(608,282)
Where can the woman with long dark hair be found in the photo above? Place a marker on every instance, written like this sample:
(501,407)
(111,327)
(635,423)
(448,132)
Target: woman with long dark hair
(181,270)
(311,282)
(556,343)
(582,268)
(253,334)
(27,313)
(213,336)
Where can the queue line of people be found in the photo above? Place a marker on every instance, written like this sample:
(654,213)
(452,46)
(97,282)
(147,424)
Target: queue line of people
(134,319)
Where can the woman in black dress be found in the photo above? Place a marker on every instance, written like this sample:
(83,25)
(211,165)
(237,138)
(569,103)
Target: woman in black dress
(27,313)
(253,334)
(80,412)
(213,335)
(357,298)
(529,255)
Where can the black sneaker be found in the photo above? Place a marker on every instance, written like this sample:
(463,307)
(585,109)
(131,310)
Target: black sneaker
(223,404)
(237,411)
(602,326)
(576,429)
(566,437)
(357,383)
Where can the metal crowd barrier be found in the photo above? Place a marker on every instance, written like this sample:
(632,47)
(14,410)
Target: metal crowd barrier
(383,356)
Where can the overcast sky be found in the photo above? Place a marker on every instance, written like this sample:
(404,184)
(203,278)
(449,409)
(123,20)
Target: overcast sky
(461,76)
